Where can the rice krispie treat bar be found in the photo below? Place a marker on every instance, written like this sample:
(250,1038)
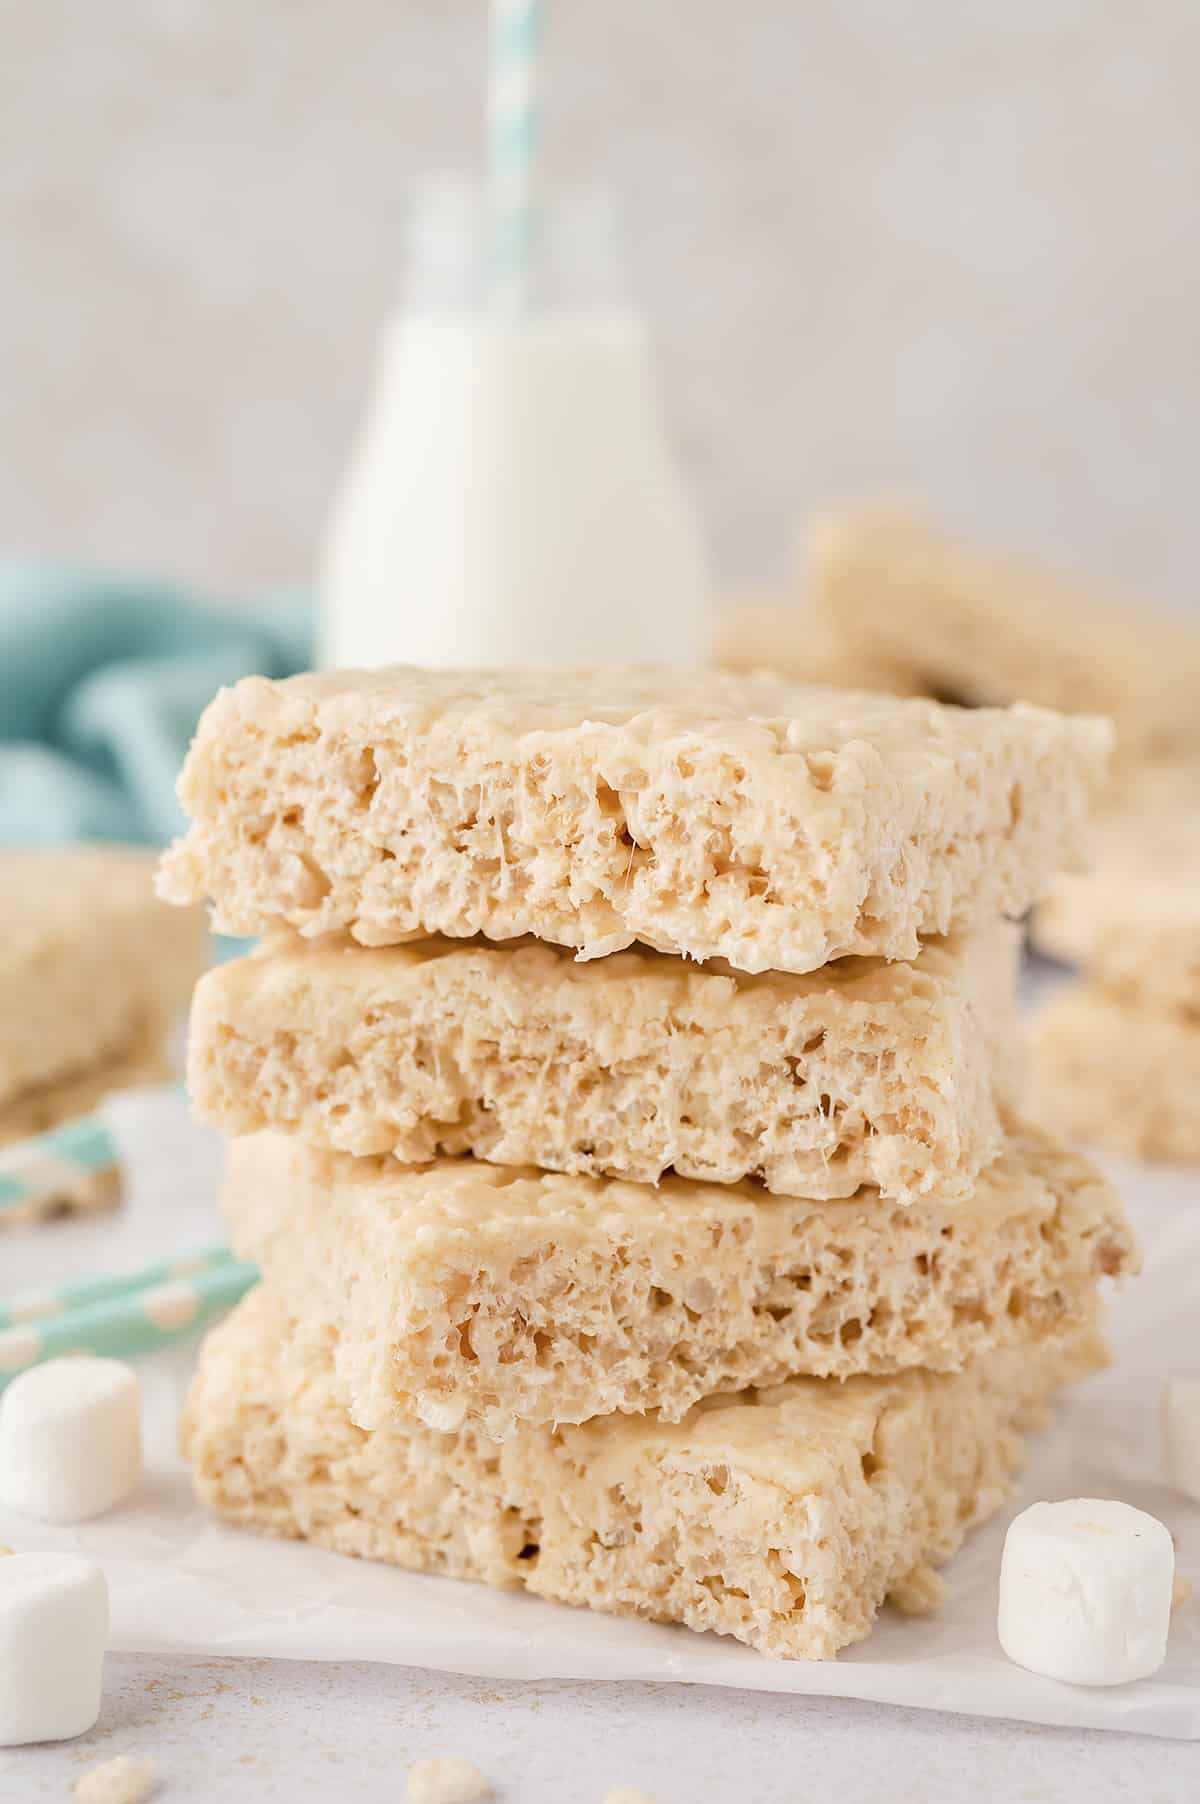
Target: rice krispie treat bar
(464,1292)
(782,1517)
(890,586)
(1133,919)
(91,963)
(863,1073)
(726,817)
(46,1106)
(1120,1076)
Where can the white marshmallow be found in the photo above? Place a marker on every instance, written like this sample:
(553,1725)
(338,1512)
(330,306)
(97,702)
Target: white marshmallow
(1181,1434)
(71,1438)
(1085,1591)
(53,1633)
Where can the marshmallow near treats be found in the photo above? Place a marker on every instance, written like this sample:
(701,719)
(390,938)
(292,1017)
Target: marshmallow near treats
(53,1636)
(1085,1591)
(71,1438)
(773,825)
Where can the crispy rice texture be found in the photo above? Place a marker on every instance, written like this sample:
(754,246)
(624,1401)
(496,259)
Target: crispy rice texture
(782,1517)
(772,825)
(632,1066)
(470,1293)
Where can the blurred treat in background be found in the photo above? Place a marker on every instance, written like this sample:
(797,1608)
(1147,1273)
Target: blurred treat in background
(95,973)
(104,679)
(42,1107)
(1120,1077)
(980,628)
(890,601)
(1118,1057)
(763,632)
(1133,918)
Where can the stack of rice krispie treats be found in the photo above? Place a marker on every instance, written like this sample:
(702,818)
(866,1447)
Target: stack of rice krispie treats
(718,1292)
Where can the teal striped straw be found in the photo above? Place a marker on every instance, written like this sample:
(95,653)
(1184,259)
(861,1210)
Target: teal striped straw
(35,1305)
(512,141)
(126,1317)
(56,1167)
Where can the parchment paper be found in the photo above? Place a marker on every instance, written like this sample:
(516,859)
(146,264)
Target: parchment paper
(183,1584)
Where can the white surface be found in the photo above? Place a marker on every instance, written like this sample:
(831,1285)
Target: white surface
(1085,1591)
(287,1732)
(71,1438)
(54,1630)
(513,501)
(184,1584)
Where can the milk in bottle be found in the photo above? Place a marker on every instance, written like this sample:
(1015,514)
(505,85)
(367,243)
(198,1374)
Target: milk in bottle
(512,498)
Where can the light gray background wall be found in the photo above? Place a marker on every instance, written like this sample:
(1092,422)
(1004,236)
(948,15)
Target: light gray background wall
(945,243)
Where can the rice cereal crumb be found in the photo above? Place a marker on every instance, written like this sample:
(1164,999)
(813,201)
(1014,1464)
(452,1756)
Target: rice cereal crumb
(448,1781)
(126,1780)
(921,1593)
(1181,1592)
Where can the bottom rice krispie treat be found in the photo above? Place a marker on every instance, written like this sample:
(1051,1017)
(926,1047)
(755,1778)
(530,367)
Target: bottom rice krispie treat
(782,1517)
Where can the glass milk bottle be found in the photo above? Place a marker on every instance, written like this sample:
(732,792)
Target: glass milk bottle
(512,498)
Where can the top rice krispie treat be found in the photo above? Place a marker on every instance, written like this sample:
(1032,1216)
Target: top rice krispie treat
(773,825)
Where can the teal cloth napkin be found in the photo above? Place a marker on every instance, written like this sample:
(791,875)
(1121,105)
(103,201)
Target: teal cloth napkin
(102,682)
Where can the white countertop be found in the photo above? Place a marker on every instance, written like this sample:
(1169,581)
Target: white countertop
(237,1730)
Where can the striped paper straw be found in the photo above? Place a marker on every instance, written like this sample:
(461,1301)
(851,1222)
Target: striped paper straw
(73,1165)
(135,1321)
(512,139)
(34,1305)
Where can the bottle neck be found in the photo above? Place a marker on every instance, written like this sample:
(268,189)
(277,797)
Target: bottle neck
(574,262)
